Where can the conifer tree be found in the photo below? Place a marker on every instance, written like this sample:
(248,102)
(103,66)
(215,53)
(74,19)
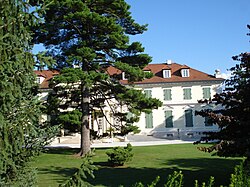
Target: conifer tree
(86,38)
(21,136)
(233,118)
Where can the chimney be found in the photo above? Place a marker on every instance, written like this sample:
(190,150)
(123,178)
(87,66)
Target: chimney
(169,62)
(217,74)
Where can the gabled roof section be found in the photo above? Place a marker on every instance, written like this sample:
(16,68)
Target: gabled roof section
(48,75)
(156,69)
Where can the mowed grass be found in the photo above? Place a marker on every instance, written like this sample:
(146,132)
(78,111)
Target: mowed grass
(57,165)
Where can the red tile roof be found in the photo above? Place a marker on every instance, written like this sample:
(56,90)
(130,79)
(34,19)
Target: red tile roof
(156,69)
(48,75)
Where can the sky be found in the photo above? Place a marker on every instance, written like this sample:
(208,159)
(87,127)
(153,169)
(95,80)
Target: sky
(202,34)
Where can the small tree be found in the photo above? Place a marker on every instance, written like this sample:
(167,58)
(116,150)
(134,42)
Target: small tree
(234,117)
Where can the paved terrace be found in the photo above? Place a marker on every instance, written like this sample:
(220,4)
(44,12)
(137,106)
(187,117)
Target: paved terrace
(134,140)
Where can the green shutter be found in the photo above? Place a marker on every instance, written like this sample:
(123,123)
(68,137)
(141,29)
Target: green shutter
(187,93)
(149,117)
(206,93)
(149,120)
(189,118)
(167,94)
(148,93)
(207,122)
(129,117)
(168,118)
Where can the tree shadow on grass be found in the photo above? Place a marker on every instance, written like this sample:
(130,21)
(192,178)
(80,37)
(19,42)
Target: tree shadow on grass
(60,174)
(220,168)
(127,176)
(200,169)
(61,150)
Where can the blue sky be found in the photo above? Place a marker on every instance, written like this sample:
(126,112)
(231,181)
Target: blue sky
(201,34)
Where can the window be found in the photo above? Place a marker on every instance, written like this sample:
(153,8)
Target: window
(166,73)
(189,118)
(185,72)
(206,93)
(168,119)
(129,117)
(149,120)
(124,77)
(100,123)
(148,93)
(187,94)
(167,94)
(208,122)
(38,80)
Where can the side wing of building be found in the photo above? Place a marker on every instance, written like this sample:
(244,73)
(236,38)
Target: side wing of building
(180,88)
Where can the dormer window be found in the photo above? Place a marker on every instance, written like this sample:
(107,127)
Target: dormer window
(124,77)
(185,72)
(38,80)
(166,73)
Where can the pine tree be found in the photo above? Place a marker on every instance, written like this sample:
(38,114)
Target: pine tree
(233,118)
(93,36)
(21,137)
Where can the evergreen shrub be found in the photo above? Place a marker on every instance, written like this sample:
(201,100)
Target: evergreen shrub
(119,155)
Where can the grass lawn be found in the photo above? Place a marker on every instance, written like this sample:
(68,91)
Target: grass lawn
(57,165)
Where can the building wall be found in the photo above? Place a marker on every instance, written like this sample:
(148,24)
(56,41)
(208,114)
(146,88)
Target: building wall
(178,106)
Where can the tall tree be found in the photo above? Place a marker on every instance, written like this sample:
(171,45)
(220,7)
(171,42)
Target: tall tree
(21,137)
(233,118)
(92,35)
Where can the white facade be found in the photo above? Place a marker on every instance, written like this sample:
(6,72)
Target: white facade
(177,106)
(177,86)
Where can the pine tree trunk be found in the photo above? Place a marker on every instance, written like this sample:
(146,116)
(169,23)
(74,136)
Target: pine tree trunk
(85,132)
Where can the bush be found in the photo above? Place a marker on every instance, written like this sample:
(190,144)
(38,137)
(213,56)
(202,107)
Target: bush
(240,178)
(26,177)
(119,155)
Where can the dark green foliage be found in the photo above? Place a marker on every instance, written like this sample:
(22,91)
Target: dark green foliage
(153,184)
(70,120)
(240,178)
(173,180)
(21,135)
(119,155)
(129,128)
(204,184)
(233,118)
(85,38)
(27,177)
(86,170)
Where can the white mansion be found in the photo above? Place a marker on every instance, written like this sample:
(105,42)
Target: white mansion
(179,87)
